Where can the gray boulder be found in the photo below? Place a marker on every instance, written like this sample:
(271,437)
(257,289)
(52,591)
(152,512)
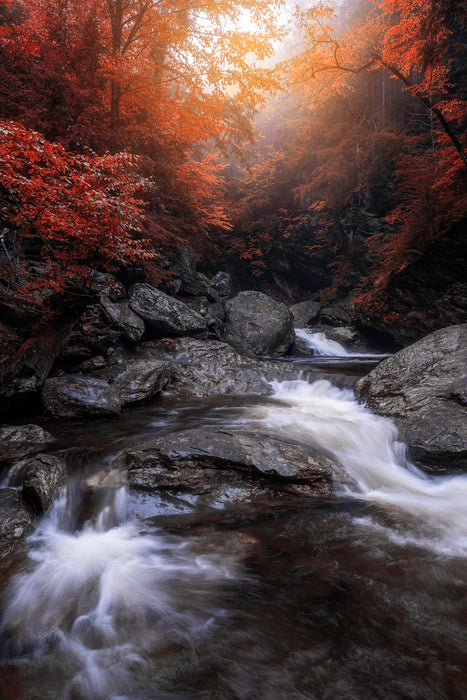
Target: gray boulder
(165,314)
(423,388)
(258,323)
(207,461)
(16,521)
(19,440)
(304,312)
(202,368)
(71,396)
(136,380)
(123,318)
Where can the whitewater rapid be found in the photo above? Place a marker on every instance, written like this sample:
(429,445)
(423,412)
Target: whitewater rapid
(320,415)
(320,344)
(99,609)
(105,609)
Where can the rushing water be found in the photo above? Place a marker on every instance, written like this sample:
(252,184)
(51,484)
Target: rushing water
(360,596)
(321,344)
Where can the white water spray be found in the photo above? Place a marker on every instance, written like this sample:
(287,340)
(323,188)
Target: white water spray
(99,603)
(320,344)
(325,417)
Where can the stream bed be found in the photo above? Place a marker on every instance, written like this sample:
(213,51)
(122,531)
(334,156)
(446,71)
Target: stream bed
(156,596)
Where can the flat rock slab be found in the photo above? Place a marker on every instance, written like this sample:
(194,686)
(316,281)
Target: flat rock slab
(200,462)
(423,389)
(203,368)
(73,396)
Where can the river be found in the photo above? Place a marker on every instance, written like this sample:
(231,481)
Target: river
(362,595)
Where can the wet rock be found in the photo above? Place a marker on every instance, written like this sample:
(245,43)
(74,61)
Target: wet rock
(202,368)
(304,312)
(165,314)
(349,337)
(71,396)
(43,476)
(241,464)
(19,440)
(258,323)
(423,388)
(16,521)
(123,318)
(133,381)
(222,285)
(300,348)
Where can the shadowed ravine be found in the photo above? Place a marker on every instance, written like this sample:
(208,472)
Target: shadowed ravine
(358,595)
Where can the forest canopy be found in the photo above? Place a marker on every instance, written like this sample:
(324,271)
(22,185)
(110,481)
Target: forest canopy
(130,128)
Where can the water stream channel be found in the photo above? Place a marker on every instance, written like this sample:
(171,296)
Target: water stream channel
(362,595)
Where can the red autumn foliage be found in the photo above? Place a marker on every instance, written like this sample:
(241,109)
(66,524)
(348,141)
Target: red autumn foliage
(150,78)
(80,211)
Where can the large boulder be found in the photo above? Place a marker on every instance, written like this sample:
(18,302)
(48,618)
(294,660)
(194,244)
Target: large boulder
(423,388)
(19,440)
(202,368)
(165,314)
(226,466)
(71,396)
(123,318)
(258,323)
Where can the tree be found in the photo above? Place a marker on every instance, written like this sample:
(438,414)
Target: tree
(167,80)
(80,213)
(424,147)
(412,40)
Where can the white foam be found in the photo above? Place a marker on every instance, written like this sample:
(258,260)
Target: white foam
(320,344)
(367,446)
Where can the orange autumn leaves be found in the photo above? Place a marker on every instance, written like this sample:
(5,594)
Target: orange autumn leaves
(147,81)
(381,96)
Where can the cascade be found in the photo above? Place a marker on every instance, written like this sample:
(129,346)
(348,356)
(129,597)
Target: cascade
(110,608)
(323,416)
(320,344)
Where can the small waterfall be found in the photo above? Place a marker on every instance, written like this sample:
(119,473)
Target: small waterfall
(322,416)
(101,599)
(320,344)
